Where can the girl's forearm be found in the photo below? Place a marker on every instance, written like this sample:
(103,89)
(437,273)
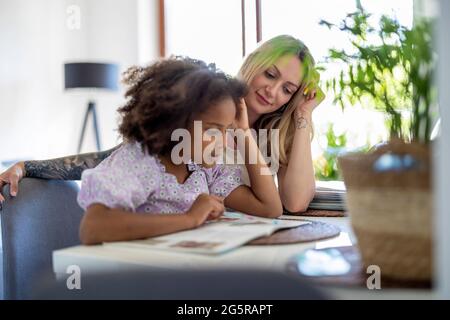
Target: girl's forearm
(297,182)
(65,168)
(102,224)
(261,181)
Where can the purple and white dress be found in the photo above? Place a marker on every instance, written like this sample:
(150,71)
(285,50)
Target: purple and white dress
(133,180)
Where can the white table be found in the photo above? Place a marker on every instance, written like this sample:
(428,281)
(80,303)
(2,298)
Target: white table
(97,259)
(274,257)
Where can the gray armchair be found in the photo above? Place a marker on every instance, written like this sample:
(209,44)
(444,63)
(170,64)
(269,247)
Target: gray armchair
(43,217)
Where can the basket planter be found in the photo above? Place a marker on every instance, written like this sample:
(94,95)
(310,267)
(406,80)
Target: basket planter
(389,201)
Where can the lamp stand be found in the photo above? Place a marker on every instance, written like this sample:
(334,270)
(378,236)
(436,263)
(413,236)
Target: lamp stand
(90,109)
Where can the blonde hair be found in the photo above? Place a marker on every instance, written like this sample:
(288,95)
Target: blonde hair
(261,59)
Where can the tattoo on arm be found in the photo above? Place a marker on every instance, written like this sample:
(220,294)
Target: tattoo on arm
(66,168)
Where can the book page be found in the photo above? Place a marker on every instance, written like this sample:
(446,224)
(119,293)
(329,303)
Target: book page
(231,230)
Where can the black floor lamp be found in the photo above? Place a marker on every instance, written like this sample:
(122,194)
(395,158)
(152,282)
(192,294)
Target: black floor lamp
(89,75)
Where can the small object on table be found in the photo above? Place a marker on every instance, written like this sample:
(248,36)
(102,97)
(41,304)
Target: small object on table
(326,262)
(329,195)
(340,266)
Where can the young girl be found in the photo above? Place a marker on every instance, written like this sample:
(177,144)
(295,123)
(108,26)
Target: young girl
(139,191)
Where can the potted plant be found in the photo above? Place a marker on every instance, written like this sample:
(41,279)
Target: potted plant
(389,196)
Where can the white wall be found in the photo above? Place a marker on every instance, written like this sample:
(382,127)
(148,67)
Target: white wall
(148,33)
(37,118)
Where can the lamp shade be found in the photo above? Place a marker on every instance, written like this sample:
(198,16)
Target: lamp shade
(91,75)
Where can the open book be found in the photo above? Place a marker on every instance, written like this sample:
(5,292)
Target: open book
(231,230)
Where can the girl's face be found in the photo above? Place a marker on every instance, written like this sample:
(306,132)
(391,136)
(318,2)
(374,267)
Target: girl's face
(275,86)
(214,123)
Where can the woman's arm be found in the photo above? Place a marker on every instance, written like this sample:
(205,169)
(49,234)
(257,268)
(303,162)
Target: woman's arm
(262,199)
(296,182)
(65,168)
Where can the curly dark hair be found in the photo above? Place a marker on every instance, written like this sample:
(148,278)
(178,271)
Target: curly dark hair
(168,95)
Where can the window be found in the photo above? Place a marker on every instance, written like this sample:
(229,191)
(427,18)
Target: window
(205,29)
(301,19)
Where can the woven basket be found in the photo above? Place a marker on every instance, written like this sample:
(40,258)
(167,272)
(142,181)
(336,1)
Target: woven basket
(391,211)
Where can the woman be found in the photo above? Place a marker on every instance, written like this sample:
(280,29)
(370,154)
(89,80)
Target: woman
(283,93)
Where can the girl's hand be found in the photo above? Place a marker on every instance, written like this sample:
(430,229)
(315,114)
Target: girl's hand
(12,176)
(205,207)
(241,121)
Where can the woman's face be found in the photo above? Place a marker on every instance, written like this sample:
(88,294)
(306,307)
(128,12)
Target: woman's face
(275,86)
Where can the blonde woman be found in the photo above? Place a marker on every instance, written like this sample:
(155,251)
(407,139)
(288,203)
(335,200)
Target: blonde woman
(282,95)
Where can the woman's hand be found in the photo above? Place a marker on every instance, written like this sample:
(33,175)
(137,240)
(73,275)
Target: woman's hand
(12,176)
(312,99)
(241,121)
(313,96)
